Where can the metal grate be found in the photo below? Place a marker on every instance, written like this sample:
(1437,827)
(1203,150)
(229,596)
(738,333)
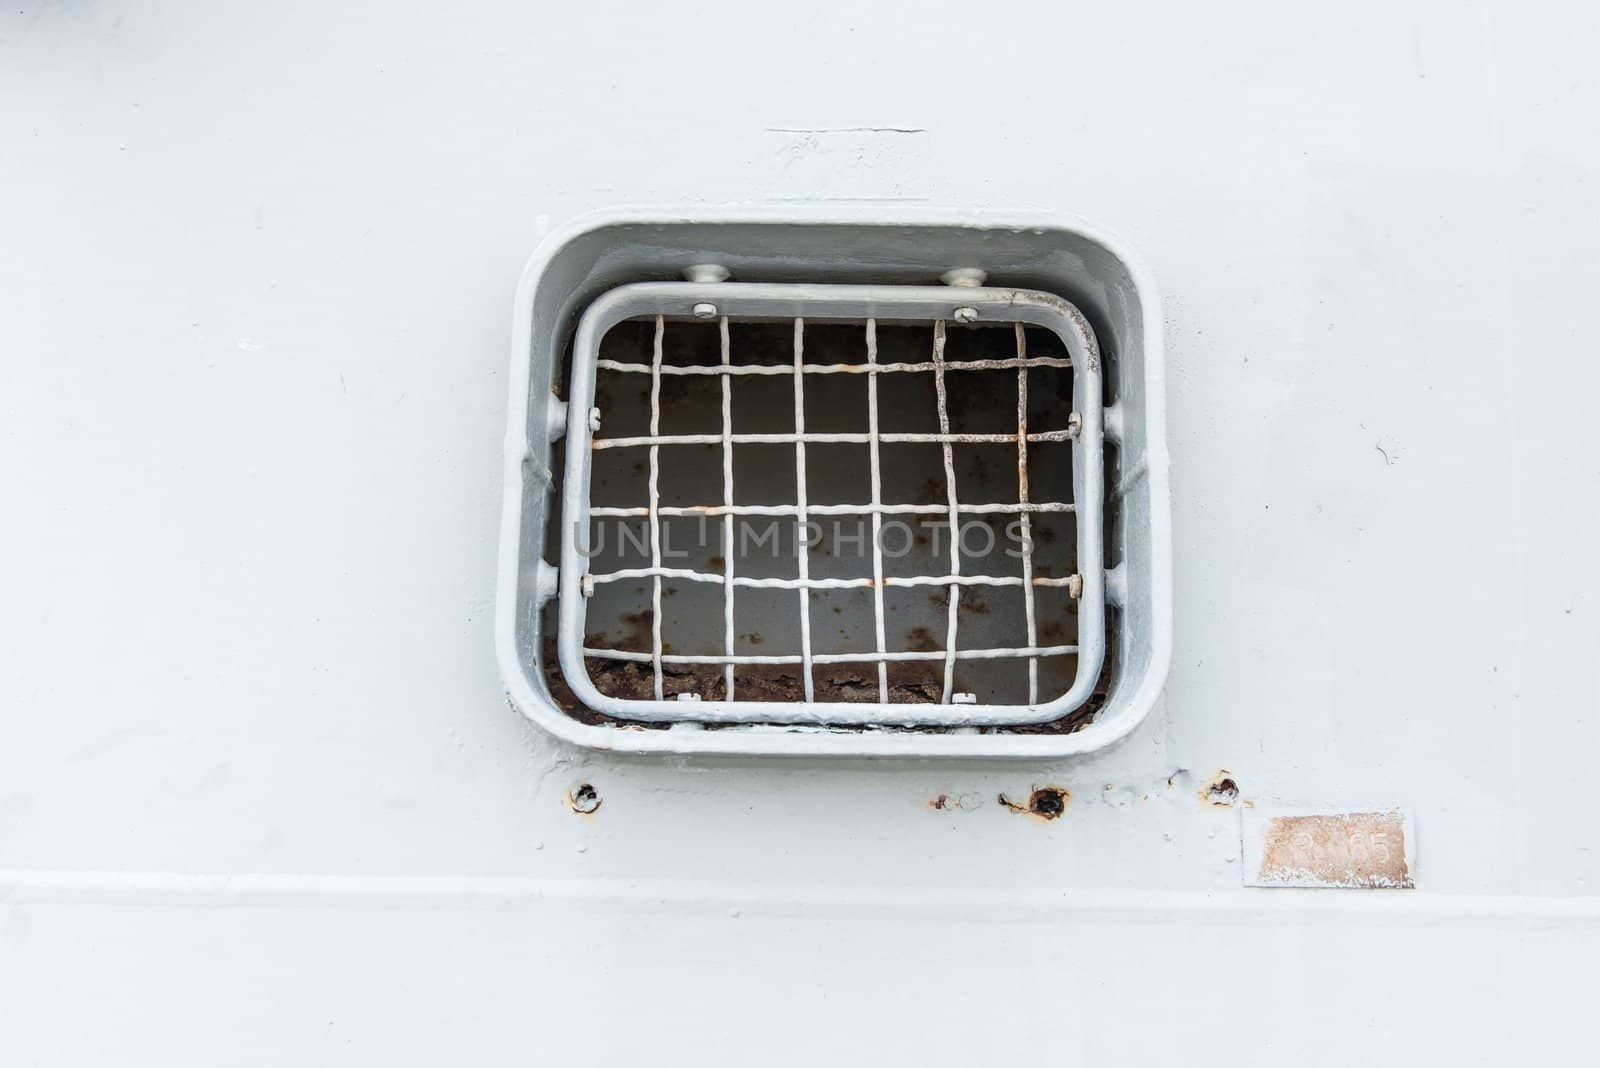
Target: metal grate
(867,306)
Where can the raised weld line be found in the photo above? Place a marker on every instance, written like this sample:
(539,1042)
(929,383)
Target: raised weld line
(1132,478)
(1554,916)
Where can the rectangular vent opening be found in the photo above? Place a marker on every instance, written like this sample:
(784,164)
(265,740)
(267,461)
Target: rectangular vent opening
(833,505)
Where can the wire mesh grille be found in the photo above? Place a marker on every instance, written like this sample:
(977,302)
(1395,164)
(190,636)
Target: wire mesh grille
(664,449)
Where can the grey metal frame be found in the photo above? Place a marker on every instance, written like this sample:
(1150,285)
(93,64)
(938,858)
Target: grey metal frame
(871,304)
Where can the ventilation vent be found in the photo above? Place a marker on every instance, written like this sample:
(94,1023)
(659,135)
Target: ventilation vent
(807,538)
(832,510)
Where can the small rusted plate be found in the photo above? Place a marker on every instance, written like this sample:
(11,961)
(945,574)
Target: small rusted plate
(1358,850)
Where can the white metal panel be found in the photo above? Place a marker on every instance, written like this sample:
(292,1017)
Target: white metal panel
(257,261)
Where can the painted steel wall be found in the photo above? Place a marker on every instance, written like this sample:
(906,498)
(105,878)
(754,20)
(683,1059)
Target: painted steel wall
(262,801)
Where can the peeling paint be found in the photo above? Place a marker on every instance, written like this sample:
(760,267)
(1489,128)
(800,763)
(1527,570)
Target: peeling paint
(963,802)
(1350,850)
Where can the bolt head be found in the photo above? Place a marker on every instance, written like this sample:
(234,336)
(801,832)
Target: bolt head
(966,315)
(705,310)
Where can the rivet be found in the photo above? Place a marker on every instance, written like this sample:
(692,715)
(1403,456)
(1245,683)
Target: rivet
(705,310)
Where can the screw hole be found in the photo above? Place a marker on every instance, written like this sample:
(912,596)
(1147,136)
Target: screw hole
(1046,802)
(583,799)
(1223,791)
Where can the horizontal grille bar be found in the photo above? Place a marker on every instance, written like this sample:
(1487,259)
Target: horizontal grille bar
(826,439)
(830,509)
(1070,581)
(834,368)
(835,658)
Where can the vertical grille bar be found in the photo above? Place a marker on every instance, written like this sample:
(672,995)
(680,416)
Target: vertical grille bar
(727,520)
(955,510)
(1022,499)
(655,505)
(877,500)
(802,550)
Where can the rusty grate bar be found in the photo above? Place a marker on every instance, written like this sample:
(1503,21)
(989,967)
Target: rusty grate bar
(727,500)
(655,504)
(802,543)
(1023,511)
(955,511)
(877,508)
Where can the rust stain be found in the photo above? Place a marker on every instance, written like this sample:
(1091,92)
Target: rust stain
(1045,802)
(1347,849)
(584,799)
(1221,792)
(954,802)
